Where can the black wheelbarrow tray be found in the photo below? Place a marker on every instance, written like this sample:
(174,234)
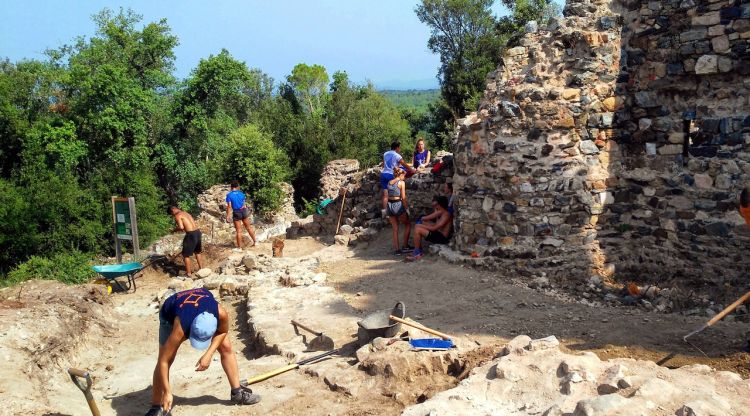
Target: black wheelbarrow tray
(112,271)
(378,324)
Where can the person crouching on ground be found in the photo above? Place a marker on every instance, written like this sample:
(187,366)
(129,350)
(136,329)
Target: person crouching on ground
(238,212)
(397,209)
(196,316)
(391,160)
(191,244)
(436,228)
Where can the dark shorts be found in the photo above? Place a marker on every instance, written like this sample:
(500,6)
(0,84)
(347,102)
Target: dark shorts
(384,179)
(191,243)
(240,214)
(395,208)
(436,237)
(165,328)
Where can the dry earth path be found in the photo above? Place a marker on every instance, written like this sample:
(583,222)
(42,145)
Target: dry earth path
(115,336)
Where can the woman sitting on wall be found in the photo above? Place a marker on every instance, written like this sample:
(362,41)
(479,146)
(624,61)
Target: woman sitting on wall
(421,157)
(397,210)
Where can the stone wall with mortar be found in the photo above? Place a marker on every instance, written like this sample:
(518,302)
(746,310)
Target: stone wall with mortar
(573,163)
(361,217)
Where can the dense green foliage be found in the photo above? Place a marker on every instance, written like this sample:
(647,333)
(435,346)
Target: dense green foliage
(71,267)
(105,116)
(415,100)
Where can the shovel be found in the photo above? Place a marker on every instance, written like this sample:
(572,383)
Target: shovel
(284,369)
(319,343)
(420,327)
(719,315)
(76,375)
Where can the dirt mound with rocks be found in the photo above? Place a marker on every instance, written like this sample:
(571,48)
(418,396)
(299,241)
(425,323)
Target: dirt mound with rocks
(537,377)
(43,325)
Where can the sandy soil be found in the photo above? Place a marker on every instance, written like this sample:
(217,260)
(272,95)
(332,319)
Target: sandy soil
(115,336)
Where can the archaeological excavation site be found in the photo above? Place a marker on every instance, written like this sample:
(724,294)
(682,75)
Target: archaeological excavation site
(597,255)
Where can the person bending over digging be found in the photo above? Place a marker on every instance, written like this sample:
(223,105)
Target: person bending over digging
(398,210)
(191,244)
(239,213)
(196,316)
(436,228)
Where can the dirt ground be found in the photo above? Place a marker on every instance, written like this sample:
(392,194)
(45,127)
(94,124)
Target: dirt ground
(46,327)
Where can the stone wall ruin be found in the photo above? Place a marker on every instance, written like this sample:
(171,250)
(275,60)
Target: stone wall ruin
(577,162)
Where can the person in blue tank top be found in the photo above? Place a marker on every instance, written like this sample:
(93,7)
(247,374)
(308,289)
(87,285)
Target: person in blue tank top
(421,157)
(194,315)
(238,212)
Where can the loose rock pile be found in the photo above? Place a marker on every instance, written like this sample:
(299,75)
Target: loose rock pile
(536,377)
(361,217)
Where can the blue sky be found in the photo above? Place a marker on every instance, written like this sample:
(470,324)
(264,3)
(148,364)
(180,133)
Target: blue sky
(381,41)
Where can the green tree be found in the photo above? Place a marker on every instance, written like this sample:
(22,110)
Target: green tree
(253,158)
(220,95)
(463,33)
(310,83)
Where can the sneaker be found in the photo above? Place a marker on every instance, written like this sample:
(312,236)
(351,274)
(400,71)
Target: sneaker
(397,252)
(156,411)
(243,395)
(747,347)
(407,249)
(418,254)
(237,250)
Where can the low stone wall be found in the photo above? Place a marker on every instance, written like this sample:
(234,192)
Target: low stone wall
(361,217)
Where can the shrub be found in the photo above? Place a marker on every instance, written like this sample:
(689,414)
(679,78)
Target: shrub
(258,164)
(70,268)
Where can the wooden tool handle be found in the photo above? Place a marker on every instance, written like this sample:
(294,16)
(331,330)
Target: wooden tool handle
(297,324)
(729,309)
(276,372)
(420,327)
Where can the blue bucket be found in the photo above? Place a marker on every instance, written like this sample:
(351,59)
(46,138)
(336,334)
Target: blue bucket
(431,343)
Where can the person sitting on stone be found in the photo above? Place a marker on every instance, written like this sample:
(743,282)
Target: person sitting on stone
(421,156)
(437,228)
(391,159)
(194,315)
(397,210)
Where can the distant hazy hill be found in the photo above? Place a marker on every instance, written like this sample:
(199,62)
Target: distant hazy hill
(413,99)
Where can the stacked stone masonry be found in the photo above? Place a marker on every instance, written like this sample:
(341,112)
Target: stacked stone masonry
(361,217)
(577,161)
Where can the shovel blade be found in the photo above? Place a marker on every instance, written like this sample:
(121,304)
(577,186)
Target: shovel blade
(320,343)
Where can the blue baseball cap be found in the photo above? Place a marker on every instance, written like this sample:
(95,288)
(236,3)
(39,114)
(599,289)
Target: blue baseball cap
(202,330)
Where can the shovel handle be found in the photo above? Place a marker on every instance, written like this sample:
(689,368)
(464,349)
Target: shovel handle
(299,325)
(273,373)
(728,309)
(420,327)
(75,375)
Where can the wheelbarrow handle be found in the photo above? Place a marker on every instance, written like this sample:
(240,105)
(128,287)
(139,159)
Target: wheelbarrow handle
(76,375)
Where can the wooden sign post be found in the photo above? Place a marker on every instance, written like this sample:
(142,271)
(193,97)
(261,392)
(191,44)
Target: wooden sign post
(125,225)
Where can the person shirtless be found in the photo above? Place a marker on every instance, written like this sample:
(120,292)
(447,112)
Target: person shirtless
(436,228)
(191,244)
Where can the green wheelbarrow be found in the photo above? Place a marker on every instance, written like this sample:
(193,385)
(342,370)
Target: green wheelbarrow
(111,272)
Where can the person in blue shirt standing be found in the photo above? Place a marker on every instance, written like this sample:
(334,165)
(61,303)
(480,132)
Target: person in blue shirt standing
(194,315)
(391,159)
(238,212)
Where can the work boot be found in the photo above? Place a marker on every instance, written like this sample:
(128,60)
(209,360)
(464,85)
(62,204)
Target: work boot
(243,395)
